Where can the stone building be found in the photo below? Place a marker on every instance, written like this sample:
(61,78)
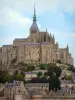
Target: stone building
(39,47)
(14,91)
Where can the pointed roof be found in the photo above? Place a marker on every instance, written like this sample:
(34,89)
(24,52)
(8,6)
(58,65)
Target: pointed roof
(34,24)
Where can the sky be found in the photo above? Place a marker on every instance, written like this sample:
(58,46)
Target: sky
(57,16)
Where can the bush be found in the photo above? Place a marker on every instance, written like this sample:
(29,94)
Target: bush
(43,80)
(43,66)
(39,74)
(67,77)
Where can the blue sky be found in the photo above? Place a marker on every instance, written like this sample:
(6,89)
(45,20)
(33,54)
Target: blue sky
(58,16)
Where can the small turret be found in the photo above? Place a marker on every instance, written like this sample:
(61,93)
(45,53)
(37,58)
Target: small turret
(67,48)
(53,39)
(50,38)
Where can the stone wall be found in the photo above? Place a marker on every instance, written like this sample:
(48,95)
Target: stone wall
(61,98)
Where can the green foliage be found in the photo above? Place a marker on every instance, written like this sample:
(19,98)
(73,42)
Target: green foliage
(22,73)
(43,66)
(54,83)
(57,70)
(43,80)
(53,69)
(4,76)
(50,71)
(45,74)
(30,67)
(18,77)
(67,77)
(39,74)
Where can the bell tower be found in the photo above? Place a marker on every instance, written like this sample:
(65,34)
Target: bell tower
(34,28)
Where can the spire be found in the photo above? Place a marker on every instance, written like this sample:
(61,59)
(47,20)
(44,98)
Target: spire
(34,17)
(34,25)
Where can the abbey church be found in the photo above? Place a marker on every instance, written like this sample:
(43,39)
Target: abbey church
(39,48)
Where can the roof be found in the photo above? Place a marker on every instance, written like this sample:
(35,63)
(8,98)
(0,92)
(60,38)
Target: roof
(20,39)
(36,43)
(7,45)
(10,85)
(34,26)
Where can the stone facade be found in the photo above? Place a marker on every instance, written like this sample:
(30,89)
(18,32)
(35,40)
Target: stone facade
(32,87)
(39,47)
(14,91)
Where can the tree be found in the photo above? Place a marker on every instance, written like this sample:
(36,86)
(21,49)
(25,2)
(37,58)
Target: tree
(50,70)
(53,69)
(18,77)
(39,74)
(43,66)
(54,83)
(30,67)
(57,70)
(43,80)
(16,72)
(11,78)
(22,73)
(45,74)
(4,76)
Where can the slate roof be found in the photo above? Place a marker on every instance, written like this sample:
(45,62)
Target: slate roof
(34,26)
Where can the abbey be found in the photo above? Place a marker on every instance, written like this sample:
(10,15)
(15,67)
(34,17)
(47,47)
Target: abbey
(39,47)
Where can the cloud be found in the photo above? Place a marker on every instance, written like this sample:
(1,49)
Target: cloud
(13,25)
(68,5)
(9,16)
(41,5)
